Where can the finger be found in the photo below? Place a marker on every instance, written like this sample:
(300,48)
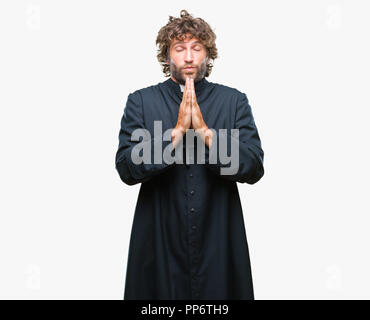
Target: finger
(188,92)
(194,101)
(184,92)
(192,92)
(186,83)
(185,89)
(188,96)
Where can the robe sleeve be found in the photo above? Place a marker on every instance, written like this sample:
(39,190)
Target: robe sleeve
(130,172)
(249,167)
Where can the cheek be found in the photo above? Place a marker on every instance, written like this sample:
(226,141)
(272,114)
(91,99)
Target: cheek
(177,57)
(201,58)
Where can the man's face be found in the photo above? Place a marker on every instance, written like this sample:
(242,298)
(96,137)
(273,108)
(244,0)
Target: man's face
(187,53)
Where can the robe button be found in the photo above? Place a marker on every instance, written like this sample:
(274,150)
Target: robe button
(190,175)
(192,192)
(194,227)
(192,209)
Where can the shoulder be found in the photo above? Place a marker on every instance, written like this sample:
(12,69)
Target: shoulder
(136,97)
(231,93)
(138,93)
(225,89)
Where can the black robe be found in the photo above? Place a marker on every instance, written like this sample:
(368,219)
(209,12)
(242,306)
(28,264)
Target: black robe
(188,238)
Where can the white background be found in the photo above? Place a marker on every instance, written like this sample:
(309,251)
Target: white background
(66,70)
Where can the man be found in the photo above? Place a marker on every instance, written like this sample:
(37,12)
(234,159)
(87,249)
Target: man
(188,238)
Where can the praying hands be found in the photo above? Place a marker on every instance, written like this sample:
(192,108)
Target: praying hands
(191,116)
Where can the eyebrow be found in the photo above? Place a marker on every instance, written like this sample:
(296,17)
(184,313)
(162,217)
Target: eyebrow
(182,42)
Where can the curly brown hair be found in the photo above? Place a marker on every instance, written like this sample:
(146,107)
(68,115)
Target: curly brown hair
(178,28)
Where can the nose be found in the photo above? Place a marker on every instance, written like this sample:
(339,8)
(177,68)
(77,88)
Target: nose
(188,56)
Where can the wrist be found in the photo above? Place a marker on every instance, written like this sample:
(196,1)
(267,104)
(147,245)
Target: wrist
(202,131)
(179,129)
(176,135)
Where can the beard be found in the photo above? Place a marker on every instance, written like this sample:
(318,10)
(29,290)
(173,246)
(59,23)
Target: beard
(178,74)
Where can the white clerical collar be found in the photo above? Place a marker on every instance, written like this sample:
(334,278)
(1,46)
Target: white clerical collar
(182,87)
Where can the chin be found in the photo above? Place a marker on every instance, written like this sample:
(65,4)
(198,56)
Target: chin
(189,74)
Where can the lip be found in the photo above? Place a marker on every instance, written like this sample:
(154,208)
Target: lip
(189,68)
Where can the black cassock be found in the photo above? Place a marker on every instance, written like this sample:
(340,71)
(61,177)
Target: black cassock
(188,238)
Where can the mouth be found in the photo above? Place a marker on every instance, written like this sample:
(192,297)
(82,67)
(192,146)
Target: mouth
(189,68)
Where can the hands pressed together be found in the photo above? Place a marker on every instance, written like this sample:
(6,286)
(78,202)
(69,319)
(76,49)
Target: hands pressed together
(190,116)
